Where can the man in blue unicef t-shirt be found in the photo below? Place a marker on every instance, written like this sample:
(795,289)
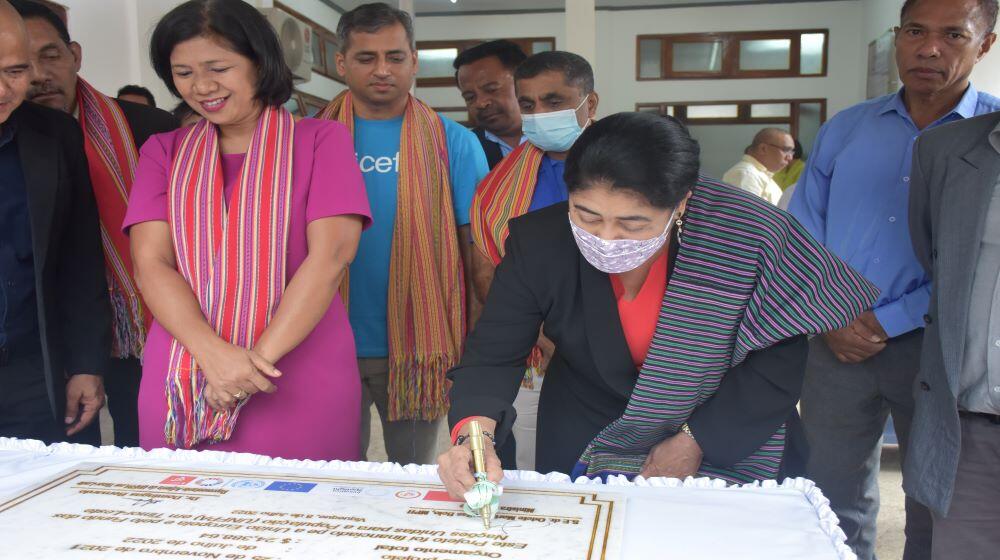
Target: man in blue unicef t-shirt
(378,60)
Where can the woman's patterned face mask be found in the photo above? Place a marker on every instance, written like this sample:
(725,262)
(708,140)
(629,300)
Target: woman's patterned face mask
(615,256)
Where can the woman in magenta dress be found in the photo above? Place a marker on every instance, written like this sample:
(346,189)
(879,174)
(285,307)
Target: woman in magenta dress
(242,228)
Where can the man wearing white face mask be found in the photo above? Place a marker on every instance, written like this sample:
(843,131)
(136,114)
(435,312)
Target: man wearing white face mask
(555,92)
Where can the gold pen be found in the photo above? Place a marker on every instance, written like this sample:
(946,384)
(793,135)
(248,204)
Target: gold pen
(479,461)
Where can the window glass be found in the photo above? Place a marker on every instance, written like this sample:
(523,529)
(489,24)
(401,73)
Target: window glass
(765,110)
(436,63)
(650,58)
(811,53)
(697,57)
(713,111)
(809,123)
(541,46)
(765,54)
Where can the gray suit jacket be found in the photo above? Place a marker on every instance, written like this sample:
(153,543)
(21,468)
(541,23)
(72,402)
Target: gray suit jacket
(954,173)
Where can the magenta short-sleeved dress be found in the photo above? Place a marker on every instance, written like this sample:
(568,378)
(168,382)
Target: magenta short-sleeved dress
(315,412)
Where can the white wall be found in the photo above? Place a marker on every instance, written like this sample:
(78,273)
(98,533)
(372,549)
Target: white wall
(880,15)
(115,38)
(616,44)
(148,14)
(105,31)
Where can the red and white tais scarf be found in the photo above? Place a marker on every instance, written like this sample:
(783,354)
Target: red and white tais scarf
(112,157)
(234,258)
(503,195)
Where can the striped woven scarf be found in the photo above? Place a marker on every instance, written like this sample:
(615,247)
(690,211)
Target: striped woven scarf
(233,258)
(746,277)
(112,157)
(426,301)
(503,195)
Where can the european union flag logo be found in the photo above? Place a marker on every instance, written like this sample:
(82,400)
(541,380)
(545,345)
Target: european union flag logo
(283,486)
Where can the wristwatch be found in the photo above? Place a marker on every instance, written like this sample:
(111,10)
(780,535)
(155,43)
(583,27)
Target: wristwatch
(463,438)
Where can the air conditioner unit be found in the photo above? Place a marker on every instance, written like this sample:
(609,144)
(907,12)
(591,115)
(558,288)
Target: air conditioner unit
(296,39)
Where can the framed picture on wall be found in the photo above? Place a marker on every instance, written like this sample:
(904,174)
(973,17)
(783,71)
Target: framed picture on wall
(311,104)
(883,77)
(317,52)
(302,104)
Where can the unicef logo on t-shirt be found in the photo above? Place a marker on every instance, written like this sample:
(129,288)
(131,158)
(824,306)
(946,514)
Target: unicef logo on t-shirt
(381,164)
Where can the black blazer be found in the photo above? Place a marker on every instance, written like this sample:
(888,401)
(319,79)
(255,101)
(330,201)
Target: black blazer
(145,121)
(491,148)
(74,316)
(543,278)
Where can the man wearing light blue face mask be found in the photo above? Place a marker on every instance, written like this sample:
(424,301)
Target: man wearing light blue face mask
(555,93)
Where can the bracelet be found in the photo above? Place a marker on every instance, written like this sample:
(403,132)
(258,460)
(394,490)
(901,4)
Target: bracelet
(687,430)
(463,438)
(458,427)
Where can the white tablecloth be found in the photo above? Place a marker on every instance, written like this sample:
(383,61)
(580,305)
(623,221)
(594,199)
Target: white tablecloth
(665,518)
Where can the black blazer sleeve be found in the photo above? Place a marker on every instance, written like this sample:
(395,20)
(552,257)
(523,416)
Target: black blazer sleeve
(753,400)
(489,375)
(84,306)
(146,121)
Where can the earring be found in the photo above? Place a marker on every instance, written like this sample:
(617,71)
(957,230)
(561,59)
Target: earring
(680,226)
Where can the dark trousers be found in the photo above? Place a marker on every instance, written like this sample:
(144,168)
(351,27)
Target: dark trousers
(971,530)
(25,411)
(121,383)
(844,411)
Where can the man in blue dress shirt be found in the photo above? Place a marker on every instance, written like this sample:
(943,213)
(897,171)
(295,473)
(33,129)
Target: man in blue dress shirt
(853,197)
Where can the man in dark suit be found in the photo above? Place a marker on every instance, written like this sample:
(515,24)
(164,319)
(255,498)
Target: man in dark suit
(56,84)
(955,439)
(54,319)
(485,76)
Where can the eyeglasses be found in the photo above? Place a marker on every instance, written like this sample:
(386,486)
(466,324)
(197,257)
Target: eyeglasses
(784,150)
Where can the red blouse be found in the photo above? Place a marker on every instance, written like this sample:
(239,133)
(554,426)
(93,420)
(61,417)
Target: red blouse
(638,316)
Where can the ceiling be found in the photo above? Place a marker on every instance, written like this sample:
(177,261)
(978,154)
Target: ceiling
(468,7)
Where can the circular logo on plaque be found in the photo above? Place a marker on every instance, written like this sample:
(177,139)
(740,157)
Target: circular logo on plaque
(247,483)
(374,491)
(408,494)
(210,482)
